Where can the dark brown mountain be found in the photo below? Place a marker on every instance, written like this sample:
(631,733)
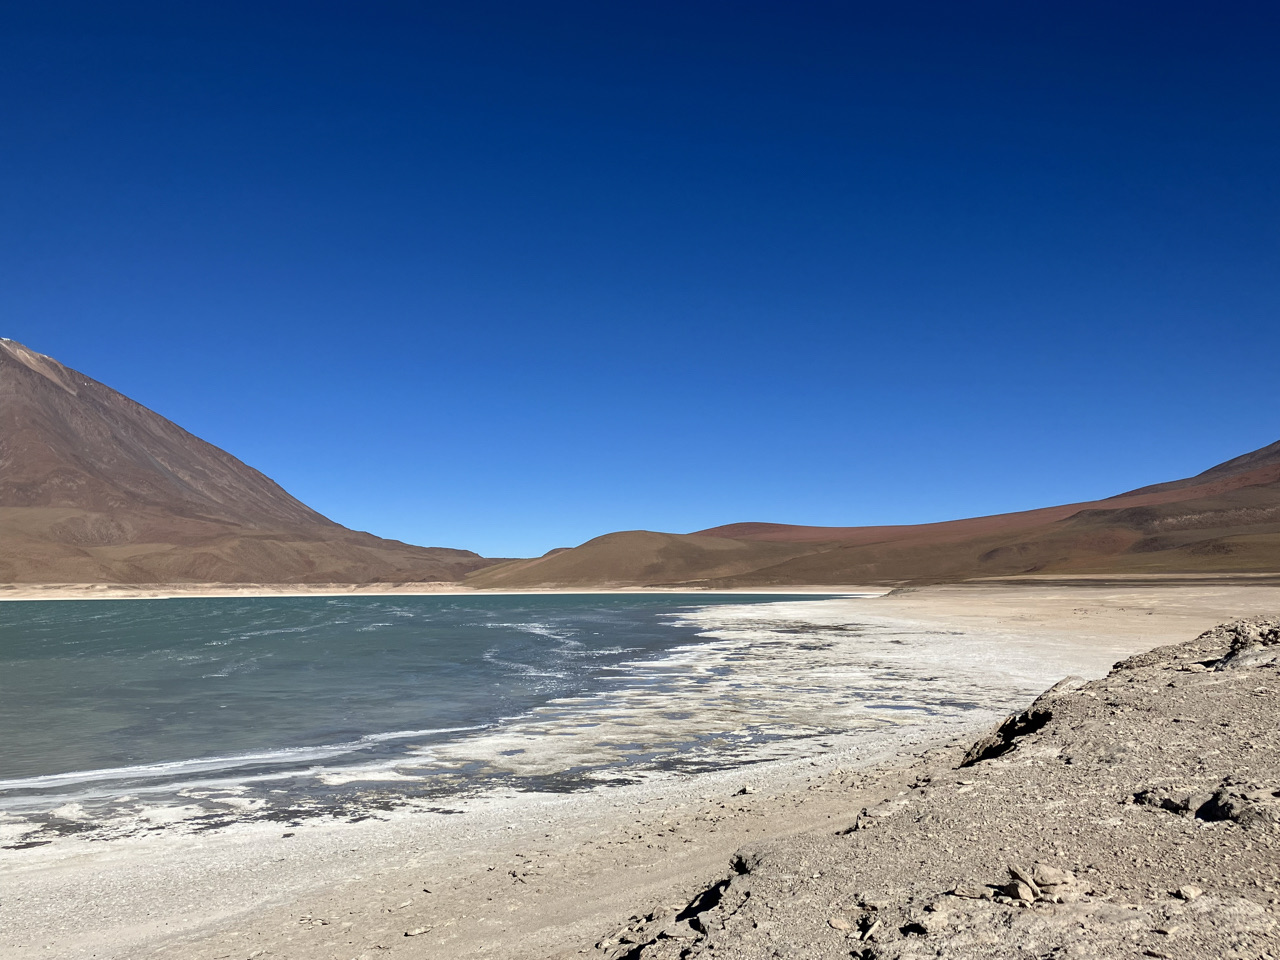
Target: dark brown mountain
(1226,519)
(97,488)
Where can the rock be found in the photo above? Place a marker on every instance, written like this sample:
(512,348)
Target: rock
(1182,802)
(1254,657)
(1020,891)
(743,791)
(882,810)
(1046,876)
(416,931)
(1254,642)
(678,930)
(1006,736)
(871,930)
(1188,892)
(1245,803)
(839,923)
(971,891)
(1023,877)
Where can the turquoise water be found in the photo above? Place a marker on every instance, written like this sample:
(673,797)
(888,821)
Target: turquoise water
(114,696)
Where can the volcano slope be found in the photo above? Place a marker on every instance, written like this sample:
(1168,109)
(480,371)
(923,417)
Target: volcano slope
(1133,816)
(1225,520)
(96,488)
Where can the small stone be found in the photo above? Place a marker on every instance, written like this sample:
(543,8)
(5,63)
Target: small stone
(1019,890)
(839,923)
(1045,875)
(870,932)
(971,891)
(1188,892)
(1023,877)
(416,931)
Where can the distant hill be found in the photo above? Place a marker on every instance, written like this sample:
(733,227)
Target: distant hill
(97,488)
(1226,519)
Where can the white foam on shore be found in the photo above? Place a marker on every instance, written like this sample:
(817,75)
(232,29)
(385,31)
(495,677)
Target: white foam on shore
(769,680)
(766,682)
(178,768)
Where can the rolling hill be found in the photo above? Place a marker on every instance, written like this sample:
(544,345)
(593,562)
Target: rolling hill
(1226,519)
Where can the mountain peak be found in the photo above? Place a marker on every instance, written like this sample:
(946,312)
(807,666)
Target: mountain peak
(47,367)
(94,486)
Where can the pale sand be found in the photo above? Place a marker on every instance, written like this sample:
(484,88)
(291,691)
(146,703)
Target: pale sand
(164,591)
(537,876)
(167,591)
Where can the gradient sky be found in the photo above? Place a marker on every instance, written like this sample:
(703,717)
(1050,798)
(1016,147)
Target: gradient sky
(509,276)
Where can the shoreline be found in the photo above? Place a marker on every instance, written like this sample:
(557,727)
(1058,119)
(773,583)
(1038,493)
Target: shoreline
(171,591)
(169,897)
(522,875)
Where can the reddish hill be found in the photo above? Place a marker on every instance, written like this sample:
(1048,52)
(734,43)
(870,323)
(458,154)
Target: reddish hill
(1259,468)
(1226,519)
(97,488)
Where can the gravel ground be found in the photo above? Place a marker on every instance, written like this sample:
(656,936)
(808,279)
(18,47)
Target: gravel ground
(1133,816)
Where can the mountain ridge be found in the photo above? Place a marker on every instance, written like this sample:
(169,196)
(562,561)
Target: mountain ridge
(96,487)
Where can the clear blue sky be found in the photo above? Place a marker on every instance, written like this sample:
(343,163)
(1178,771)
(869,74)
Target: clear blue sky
(509,276)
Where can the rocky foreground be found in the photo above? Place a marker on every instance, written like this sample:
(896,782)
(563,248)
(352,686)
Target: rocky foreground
(1133,816)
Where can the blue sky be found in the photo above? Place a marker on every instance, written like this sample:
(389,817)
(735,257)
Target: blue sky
(509,276)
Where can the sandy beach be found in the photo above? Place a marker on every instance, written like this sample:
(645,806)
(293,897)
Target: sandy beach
(540,875)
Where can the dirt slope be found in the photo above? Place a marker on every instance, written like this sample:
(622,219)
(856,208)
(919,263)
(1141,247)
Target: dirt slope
(95,487)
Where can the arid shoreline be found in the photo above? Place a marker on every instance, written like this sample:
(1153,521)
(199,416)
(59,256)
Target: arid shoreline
(161,591)
(165,591)
(535,876)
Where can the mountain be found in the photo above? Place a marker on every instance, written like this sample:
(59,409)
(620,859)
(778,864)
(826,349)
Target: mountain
(95,487)
(1226,519)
